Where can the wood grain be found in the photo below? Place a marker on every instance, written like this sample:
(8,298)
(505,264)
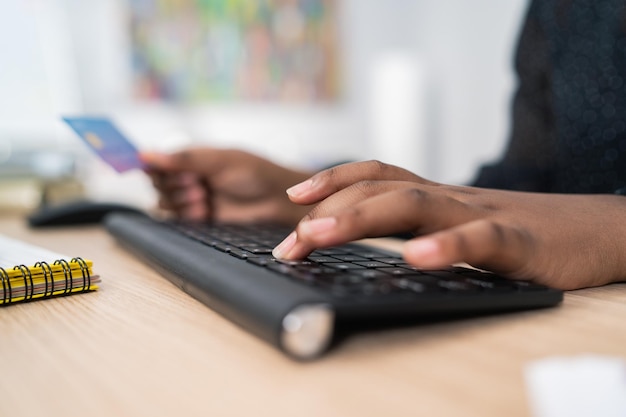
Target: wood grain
(141,347)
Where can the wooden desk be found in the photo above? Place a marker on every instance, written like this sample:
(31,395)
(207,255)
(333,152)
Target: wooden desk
(141,347)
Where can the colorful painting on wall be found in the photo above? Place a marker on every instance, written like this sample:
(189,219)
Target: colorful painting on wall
(190,51)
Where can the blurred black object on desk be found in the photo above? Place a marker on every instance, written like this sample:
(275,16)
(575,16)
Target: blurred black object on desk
(77,212)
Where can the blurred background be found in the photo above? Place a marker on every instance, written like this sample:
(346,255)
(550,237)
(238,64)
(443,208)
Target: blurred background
(424,84)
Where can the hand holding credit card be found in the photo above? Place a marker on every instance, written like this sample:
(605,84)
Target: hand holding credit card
(107,142)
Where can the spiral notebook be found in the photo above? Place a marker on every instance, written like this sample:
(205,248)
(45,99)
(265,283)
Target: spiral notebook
(29,272)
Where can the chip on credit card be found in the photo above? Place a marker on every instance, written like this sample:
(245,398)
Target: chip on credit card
(101,135)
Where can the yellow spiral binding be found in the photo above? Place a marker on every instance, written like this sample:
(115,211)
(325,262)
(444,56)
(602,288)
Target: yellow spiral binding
(42,280)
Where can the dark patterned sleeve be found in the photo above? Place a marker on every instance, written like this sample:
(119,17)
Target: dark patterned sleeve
(529,155)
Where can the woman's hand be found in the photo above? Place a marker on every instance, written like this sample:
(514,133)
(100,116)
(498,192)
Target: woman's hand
(563,241)
(226,185)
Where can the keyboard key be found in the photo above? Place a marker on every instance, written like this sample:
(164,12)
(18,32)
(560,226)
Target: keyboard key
(373,264)
(330,252)
(223,247)
(429,284)
(295,262)
(261,261)
(493,285)
(242,254)
(458,286)
(280,268)
(390,261)
(370,274)
(366,253)
(316,270)
(409,266)
(344,266)
(262,250)
(407,284)
(396,271)
(528,286)
(350,258)
(323,259)
(441,274)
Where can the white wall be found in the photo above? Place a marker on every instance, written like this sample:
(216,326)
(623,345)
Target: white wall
(37,71)
(468,49)
(457,108)
(462,52)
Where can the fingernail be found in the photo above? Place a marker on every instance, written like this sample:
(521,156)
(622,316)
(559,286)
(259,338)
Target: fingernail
(285,246)
(318,226)
(300,189)
(423,248)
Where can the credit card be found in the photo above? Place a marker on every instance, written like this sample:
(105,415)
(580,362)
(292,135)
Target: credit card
(106,141)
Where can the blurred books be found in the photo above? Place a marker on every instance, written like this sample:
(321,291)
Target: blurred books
(32,178)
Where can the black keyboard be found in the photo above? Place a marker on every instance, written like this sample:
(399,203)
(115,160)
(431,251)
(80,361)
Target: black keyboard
(297,305)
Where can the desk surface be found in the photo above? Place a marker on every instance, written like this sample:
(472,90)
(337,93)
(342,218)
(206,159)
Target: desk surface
(141,347)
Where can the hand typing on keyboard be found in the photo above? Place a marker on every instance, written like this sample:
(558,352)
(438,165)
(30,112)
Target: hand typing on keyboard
(563,241)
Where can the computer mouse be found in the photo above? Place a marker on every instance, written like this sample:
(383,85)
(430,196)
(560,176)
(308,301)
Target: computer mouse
(79,212)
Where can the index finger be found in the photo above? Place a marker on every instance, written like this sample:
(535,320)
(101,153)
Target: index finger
(332,180)
(407,209)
